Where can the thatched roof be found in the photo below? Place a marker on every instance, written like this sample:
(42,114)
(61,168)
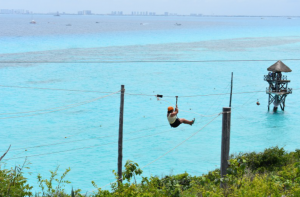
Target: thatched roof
(279,66)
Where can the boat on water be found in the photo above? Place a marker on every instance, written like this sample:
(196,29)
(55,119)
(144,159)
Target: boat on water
(57,14)
(177,24)
(32,22)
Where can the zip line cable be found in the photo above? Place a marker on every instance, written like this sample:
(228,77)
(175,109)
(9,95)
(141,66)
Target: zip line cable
(202,115)
(89,146)
(52,144)
(71,90)
(19,153)
(220,103)
(83,132)
(61,142)
(89,101)
(214,94)
(195,95)
(132,94)
(240,106)
(227,88)
(140,61)
(248,101)
(27,112)
(171,149)
(181,142)
(68,107)
(101,127)
(189,111)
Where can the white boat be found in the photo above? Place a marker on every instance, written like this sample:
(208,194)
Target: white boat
(32,22)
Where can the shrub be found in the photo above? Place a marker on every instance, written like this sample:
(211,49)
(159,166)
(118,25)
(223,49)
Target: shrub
(271,159)
(13,183)
(48,188)
(271,173)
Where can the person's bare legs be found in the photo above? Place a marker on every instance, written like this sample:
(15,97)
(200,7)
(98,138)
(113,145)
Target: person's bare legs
(182,120)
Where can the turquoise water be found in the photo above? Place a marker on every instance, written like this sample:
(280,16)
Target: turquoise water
(73,56)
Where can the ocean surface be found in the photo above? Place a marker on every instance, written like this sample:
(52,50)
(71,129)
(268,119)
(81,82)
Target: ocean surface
(55,74)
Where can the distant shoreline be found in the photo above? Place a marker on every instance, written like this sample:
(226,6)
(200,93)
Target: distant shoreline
(126,15)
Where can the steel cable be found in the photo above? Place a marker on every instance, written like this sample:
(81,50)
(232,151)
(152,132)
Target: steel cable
(65,108)
(89,146)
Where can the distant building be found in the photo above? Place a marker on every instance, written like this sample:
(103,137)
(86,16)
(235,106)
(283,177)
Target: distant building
(85,12)
(20,11)
(11,11)
(195,14)
(116,13)
(6,11)
(134,13)
(166,13)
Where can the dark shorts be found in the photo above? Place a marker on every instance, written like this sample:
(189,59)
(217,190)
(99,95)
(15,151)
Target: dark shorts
(176,123)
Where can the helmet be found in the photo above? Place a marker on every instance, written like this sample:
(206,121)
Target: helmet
(170,108)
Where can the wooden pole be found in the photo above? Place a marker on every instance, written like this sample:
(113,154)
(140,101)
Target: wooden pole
(120,144)
(269,103)
(231,89)
(225,147)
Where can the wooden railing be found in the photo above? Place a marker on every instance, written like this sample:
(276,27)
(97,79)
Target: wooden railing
(273,90)
(274,78)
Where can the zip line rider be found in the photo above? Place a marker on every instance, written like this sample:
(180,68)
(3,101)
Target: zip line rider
(174,120)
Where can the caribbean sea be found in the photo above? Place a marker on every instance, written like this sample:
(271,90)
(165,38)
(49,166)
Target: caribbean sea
(54,74)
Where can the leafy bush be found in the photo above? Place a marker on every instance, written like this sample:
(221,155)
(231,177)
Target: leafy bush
(13,183)
(48,188)
(271,173)
(269,160)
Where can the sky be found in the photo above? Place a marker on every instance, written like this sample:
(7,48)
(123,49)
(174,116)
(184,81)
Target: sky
(206,7)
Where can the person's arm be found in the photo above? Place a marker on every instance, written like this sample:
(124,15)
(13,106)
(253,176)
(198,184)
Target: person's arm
(175,112)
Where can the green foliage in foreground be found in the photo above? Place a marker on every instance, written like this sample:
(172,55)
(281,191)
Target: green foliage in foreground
(272,173)
(13,183)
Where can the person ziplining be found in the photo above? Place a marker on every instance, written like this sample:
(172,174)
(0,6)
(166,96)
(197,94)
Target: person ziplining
(174,120)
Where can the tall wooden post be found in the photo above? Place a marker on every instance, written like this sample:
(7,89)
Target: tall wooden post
(120,144)
(225,140)
(231,89)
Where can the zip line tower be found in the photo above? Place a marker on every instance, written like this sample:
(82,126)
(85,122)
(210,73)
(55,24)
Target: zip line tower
(278,85)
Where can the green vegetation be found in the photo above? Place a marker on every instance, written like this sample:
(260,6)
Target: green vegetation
(13,183)
(272,173)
